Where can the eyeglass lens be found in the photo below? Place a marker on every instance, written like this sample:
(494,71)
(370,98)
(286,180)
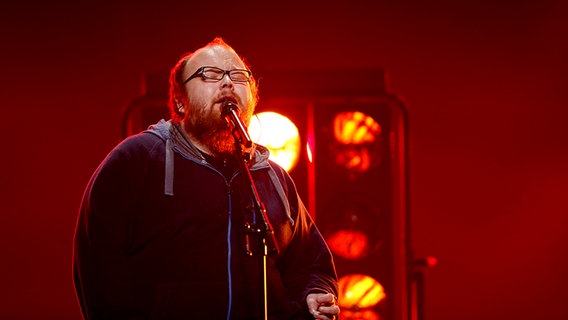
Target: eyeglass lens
(217,74)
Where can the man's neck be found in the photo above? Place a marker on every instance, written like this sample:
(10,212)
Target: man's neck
(198,144)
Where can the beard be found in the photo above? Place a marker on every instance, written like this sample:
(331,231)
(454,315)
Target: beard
(207,126)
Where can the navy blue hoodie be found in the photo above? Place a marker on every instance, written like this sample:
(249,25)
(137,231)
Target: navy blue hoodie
(160,235)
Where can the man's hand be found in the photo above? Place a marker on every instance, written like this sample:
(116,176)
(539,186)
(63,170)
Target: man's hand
(322,305)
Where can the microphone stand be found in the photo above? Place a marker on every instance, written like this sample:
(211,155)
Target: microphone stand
(259,235)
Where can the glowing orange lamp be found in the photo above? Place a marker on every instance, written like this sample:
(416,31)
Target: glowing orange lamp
(355,134)
(359,292)
(280,135)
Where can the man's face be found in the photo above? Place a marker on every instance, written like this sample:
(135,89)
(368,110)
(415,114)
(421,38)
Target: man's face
(205,97)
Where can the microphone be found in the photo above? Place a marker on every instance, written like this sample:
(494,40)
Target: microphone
(229,112)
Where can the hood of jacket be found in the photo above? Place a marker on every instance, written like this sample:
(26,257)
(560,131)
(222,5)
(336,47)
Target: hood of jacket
(176,141)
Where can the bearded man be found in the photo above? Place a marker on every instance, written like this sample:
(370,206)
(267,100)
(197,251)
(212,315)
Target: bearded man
(160,232)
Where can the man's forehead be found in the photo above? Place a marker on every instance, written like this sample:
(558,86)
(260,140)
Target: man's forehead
(216,56)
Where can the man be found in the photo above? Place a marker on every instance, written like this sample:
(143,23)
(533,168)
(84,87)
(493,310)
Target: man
(160,232)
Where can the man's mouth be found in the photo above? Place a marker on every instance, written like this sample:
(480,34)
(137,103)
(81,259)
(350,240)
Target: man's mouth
(227,99)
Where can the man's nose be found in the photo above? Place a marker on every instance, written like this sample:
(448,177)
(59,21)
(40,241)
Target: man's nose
(226,81)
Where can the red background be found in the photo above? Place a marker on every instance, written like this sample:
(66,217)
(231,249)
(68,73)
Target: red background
(486,90)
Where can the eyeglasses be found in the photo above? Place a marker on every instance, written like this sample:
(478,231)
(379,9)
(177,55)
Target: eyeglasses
(214,73)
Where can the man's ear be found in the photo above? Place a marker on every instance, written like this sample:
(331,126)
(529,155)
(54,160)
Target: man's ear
(180,107)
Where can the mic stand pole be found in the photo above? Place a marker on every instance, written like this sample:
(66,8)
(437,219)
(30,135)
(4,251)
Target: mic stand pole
(259,235)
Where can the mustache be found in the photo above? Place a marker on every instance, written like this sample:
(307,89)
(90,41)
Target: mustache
(222,98)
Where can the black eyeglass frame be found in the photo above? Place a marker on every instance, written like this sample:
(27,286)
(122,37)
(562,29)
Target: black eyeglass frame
(199,73)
